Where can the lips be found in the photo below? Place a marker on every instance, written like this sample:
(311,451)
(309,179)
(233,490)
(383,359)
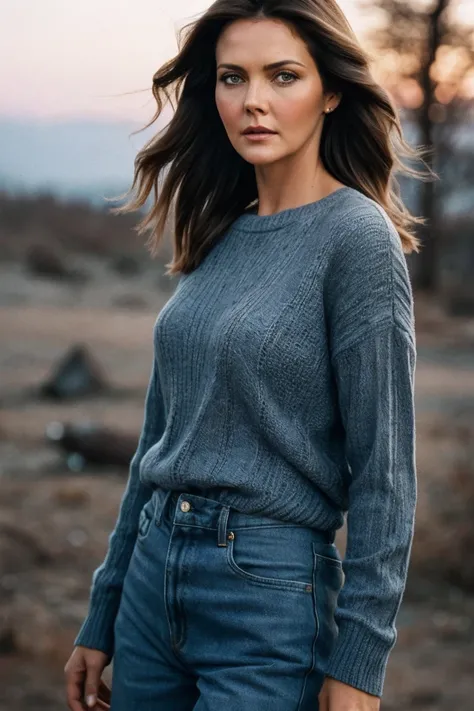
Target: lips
(257,130)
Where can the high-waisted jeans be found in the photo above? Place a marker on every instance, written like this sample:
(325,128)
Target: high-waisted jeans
(224,611)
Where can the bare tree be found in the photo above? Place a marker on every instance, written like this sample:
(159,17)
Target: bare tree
(431,55)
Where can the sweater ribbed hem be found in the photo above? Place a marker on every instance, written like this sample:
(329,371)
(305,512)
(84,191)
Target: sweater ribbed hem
(97,631)
(359,658)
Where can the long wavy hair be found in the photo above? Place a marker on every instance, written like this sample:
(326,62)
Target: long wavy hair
(200,184)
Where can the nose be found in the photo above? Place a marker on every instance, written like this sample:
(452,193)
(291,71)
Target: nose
(255,98)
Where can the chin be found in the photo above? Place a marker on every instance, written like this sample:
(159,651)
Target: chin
(260,157)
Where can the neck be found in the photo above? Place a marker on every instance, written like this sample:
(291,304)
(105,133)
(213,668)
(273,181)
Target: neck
(292,182)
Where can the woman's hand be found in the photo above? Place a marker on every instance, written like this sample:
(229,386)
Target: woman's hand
(337,696)
(84,686)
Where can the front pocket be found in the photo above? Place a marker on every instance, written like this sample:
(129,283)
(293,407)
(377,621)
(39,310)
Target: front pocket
(273,557)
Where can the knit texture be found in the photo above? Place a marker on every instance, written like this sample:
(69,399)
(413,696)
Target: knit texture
(283,385)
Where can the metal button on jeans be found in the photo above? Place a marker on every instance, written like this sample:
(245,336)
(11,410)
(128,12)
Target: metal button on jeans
(185,506)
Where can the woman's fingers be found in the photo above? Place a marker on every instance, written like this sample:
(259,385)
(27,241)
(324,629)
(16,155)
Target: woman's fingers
(74,690)
(83,680)
(104,692)
(93,680)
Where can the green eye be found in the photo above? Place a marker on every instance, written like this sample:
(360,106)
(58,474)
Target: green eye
(290,77)
(283,77)
(225,77)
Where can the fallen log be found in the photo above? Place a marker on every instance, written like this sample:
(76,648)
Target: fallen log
(92,443)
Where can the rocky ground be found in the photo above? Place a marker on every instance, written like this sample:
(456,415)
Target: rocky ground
(54,523)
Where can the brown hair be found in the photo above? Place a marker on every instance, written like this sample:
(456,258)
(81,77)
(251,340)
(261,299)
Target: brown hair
(201,184)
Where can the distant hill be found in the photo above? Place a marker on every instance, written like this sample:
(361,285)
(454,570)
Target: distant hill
(75,158)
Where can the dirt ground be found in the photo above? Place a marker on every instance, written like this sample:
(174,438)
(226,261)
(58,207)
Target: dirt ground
(54,523)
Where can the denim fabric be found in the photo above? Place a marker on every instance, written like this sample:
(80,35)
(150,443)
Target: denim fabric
(224,610)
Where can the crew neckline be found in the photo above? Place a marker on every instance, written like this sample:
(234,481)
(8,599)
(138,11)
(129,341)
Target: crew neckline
(251,222)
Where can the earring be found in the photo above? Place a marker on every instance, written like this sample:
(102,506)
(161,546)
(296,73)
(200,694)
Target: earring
(328,111)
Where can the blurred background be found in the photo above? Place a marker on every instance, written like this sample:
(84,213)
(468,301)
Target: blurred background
(79,295)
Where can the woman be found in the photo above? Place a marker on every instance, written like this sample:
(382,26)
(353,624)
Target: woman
(281,392)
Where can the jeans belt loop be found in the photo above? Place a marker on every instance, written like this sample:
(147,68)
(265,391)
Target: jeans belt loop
(222,526)
(160,505)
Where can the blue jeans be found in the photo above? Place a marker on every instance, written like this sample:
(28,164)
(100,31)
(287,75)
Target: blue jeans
(224,611)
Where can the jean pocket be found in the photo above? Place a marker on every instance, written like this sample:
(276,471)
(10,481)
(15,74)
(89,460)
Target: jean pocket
(273,557)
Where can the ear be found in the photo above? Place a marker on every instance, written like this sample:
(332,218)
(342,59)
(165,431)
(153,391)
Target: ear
(334,99)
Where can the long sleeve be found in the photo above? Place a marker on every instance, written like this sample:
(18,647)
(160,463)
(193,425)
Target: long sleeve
(97,629)
(374,358)
(375,386)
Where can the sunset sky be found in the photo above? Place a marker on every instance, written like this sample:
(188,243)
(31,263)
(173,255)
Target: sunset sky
(73,59)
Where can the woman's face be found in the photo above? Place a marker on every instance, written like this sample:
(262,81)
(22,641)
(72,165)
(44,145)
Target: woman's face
(266,77)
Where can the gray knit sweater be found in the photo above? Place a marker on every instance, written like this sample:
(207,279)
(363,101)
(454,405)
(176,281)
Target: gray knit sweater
(283,382)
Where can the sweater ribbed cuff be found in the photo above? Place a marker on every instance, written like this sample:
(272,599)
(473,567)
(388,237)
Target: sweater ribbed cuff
(97,631)
(359,658)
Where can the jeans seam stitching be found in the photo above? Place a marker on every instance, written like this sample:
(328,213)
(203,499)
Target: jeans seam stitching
(315,636)
(165,589)
(331,561)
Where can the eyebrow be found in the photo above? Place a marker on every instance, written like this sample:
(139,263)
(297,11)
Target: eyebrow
(267,67)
